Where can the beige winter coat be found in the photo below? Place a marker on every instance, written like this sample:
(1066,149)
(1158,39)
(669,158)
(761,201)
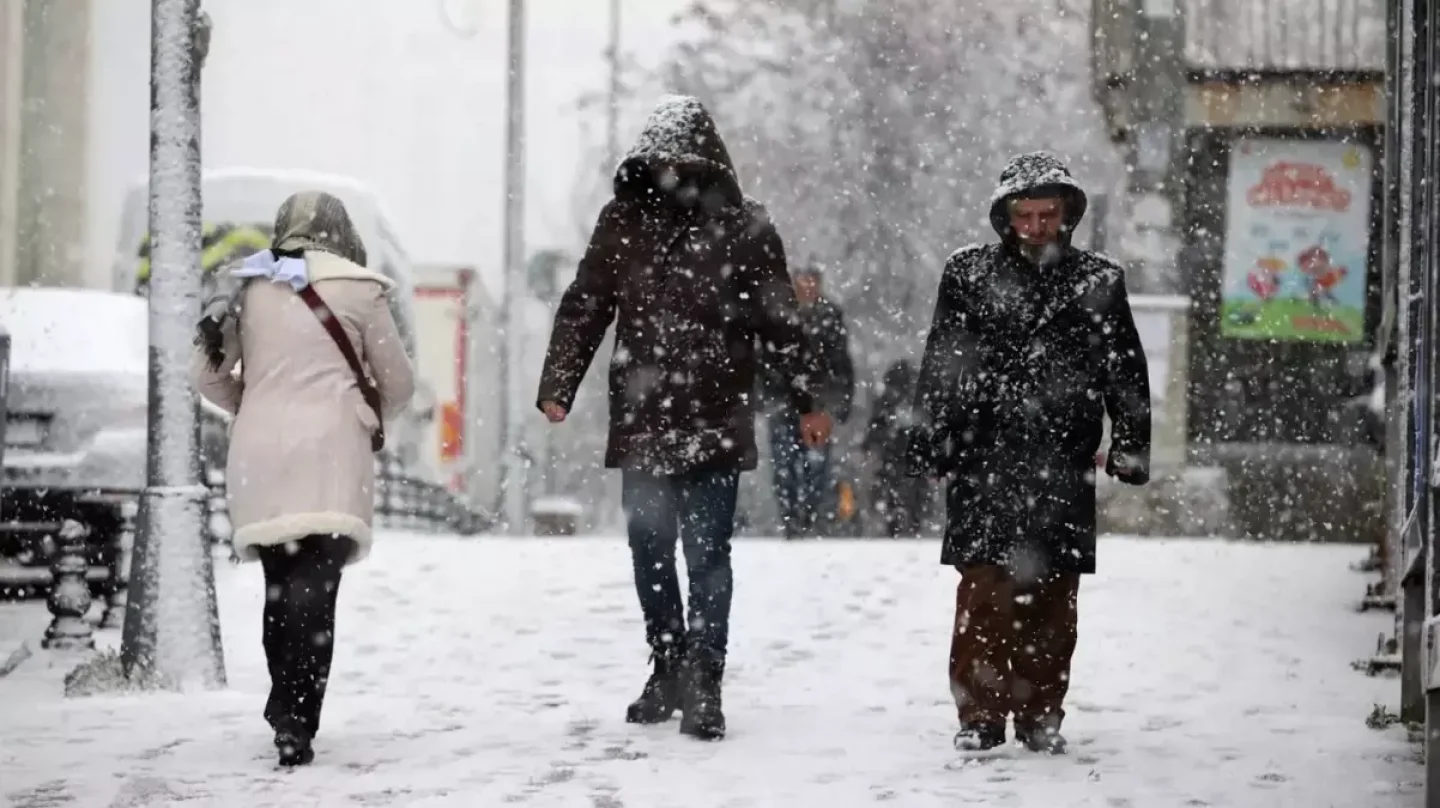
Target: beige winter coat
(300,460)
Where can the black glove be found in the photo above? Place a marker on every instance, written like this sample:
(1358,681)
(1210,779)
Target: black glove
(210,331)
(1127,468)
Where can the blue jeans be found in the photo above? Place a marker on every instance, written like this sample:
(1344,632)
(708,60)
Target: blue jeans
(802,474)
(698,509)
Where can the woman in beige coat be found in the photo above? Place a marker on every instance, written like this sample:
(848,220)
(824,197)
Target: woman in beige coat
(300,472)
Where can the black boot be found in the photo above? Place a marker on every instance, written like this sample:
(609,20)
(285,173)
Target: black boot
(293,742)
(1042,737)
(979,737)
(661,696)
(700,702)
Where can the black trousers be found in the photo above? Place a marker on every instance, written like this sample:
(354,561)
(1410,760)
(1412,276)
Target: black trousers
(302,580)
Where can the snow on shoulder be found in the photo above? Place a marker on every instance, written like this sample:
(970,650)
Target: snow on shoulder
(963,252)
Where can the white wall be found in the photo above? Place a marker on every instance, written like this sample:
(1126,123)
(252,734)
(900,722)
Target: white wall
(376,89)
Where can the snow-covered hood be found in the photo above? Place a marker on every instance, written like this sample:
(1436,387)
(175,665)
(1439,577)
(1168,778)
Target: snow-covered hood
(1037,174)
(680,134)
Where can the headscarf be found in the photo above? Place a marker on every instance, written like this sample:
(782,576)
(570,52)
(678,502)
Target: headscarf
(308,220)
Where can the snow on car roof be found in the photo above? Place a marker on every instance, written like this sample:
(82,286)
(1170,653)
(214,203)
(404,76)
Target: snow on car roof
(243,195)
(252,195)
(75,330)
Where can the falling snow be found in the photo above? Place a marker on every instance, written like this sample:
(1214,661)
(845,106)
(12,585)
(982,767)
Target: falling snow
(880,136)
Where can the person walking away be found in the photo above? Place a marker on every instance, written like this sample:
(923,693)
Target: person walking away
(1032,345)
(802,474)
(692,272)
(899,499)
(300,471)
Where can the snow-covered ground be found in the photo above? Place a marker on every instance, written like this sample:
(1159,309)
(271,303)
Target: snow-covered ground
(494,672)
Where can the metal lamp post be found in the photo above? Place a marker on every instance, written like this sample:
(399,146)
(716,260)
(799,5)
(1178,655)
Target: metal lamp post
(172,626)
(512,477)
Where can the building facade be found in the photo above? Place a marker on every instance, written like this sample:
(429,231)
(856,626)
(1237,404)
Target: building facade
(45,52)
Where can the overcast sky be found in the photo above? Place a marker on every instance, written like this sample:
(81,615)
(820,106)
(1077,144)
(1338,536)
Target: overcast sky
(379,90)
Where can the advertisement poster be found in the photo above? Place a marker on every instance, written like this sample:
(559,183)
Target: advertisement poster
(1297,238)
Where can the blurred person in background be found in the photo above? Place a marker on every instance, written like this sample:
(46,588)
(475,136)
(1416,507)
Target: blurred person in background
(300,473)
(1032,345)
(898,498)
(804,485)
(692,272)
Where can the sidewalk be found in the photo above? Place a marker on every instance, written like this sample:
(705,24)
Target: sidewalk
(491,672)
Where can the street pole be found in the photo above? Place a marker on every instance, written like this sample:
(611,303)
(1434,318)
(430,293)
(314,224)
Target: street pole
(1157,152)
(512,477)
(172,625)
(612,123)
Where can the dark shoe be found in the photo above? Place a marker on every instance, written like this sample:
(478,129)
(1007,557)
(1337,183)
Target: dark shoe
(979,737)
(1042,738)
(700,701)
(294,746)
(661,696)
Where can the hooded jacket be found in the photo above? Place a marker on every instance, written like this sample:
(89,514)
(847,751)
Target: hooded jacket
(691,272)
(1022,364)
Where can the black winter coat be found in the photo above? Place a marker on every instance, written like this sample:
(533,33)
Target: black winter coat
(1021,366)
(693,273)
(834,383)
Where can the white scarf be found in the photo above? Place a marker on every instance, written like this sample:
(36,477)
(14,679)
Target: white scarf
(265,264)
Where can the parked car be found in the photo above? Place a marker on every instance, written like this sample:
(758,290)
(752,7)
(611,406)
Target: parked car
(74,436)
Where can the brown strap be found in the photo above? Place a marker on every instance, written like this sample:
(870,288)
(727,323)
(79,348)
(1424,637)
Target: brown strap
(337,333)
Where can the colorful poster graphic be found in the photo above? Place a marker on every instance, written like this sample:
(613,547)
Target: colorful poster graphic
(1297,240)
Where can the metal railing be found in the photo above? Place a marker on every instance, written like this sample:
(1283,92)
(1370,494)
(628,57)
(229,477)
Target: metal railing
(402,502)
(1411,202)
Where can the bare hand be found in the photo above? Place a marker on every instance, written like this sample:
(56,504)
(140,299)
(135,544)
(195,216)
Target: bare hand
(553,412)
(815,429)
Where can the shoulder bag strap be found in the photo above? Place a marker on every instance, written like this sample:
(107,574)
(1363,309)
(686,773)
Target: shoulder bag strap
(337,333)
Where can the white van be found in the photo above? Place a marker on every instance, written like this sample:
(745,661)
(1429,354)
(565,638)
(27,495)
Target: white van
(239,213)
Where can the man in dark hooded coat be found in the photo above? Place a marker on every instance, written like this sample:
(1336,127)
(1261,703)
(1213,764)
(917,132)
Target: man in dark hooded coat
(1032,344)
(693,273)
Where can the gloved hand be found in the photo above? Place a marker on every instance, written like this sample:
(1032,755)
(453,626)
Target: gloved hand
(210,331)
(1130,469)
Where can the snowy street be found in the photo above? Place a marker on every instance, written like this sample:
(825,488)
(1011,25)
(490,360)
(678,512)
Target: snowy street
(493,672)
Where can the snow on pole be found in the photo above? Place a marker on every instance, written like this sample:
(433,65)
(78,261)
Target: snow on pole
(512,477)
(172,625)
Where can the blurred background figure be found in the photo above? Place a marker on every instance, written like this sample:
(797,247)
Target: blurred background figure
(803,476)
(897,500)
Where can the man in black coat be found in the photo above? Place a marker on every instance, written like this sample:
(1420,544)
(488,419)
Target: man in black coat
(693,274)
(801,472)
(1032,344)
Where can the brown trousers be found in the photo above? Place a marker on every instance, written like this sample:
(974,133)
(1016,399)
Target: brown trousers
(1012,645)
